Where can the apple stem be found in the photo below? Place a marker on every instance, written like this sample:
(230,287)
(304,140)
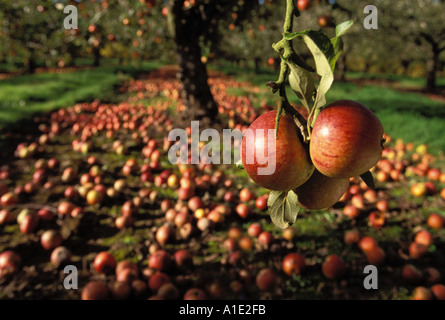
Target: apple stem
(284,47)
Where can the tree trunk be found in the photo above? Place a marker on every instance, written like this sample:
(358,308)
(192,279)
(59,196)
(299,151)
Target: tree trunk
(432,66)
(257,61)
(32,65)
(196,93)
(96,56)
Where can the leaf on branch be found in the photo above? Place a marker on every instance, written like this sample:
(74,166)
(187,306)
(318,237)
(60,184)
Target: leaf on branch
(368,179)
(283,208)
(302,84)
(343,27)
(337,42)
(322,51)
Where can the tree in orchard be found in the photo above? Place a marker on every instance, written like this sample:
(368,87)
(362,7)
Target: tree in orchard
(408,31)
(192,23)
(424,22)
(313,157)
(29,25)
(244,42)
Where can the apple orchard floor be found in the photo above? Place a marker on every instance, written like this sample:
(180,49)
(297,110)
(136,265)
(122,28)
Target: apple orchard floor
(126,142)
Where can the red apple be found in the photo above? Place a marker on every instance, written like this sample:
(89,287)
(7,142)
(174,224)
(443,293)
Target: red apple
(104,262)
(266,279)
(376,219)
(346,140)
(333,267)
(367,243)
(261,202)
(123,222)
(164,234)
(60,256)
(6,216)
(320,191)
(245,195)
(65,208)
(160,260)
(157,280)
(195,294)
(417,250)
(120,290)
(183,259)
(435,221)
(351,237)
(265,238)
(45,214)
(254,229)
(242,210)
(293,263)
(375,256)
(424,237)
(29,223)
(288,162)
(8,199)
(351,212)
(438,291)
(303,4)
(245,243)
(422,293)
(51,239)
(289,233)
(168,291)
(95,290)
(411,274)
(195,203)
(9,263)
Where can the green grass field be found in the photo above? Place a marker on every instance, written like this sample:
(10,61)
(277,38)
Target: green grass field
(24,96)
(410,116)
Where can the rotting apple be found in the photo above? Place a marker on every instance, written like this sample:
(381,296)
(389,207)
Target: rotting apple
(60,256)
(266,279)
(293,264)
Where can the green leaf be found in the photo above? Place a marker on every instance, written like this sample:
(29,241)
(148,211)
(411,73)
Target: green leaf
(368,179)
(337,44)
(301,83)
(343,27)
(283,208)
(322,50)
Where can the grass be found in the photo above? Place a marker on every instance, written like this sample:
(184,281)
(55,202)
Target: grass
(24,96)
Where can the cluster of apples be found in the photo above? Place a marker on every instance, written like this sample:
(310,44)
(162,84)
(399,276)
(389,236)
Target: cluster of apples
(346,141)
